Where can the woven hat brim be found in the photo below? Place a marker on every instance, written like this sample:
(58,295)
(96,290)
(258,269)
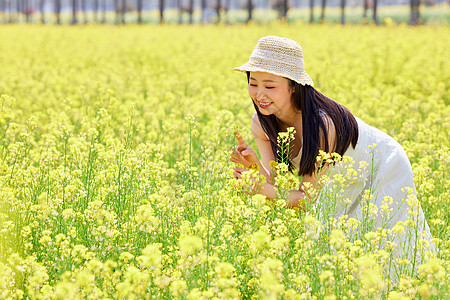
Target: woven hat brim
(303,79)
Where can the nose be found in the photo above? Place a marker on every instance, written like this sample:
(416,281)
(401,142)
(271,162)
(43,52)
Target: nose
(260,95)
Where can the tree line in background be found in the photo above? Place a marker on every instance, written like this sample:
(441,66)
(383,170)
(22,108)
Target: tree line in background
(13,9)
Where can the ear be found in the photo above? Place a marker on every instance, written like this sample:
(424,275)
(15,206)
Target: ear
(291,86)
(292,89)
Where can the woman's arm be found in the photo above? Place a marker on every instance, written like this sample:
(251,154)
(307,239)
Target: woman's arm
(310,185)
(264,148)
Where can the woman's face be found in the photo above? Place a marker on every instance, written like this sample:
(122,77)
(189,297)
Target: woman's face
(272,94)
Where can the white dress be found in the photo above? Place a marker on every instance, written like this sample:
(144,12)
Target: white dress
(389,166)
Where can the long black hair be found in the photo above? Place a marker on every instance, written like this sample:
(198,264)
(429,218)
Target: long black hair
(313,105)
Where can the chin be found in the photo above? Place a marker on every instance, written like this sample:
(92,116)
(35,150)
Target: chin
(265,113)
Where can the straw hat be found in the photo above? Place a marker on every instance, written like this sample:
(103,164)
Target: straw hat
(278,56)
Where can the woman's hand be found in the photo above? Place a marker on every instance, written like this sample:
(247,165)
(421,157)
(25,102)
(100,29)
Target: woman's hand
(248,181)
(243,154)
(253,177)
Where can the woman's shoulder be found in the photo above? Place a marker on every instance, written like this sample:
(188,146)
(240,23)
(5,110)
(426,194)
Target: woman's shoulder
(258,131)
(331,132)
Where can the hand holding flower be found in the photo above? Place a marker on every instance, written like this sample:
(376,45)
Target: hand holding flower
(243,154)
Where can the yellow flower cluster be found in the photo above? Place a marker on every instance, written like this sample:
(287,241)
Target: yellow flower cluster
(114,171)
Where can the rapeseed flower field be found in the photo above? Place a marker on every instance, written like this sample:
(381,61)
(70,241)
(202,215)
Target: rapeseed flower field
(115,180)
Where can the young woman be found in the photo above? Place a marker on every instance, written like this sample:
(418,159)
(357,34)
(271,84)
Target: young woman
(283,96)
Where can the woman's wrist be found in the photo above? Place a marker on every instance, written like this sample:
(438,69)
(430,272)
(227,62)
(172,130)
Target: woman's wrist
(268,190)
(294,198)
(263,171)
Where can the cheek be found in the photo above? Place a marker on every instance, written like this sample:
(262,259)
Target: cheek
(273,94)
(252,90)
(286,97)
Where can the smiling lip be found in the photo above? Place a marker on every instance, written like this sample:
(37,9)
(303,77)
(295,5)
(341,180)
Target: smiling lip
(264,104)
